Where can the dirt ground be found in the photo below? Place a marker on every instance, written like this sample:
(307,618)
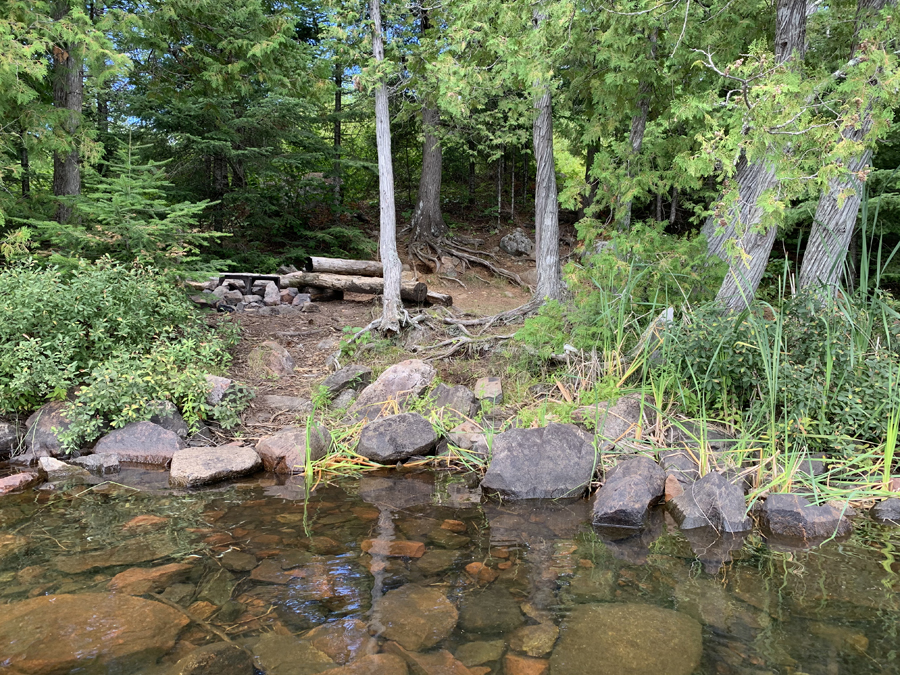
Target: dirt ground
(311,338)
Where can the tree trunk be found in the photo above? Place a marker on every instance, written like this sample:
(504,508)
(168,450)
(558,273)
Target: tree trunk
(387,245)
(588,200)
(25,163)
(220,175)
(68,93)
(362,268)
(428,221)
(673,207)
(471,172)
(747,262)
(836,212)
(338,89)
(659,207)
(546,206)
(638,127)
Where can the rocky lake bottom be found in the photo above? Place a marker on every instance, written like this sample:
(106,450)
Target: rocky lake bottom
(403,571)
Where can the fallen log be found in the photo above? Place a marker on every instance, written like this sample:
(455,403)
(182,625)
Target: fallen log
(436,298)
(361,268)
(411,291)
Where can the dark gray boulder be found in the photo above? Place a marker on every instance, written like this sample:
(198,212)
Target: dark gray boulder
(631,488)
(455,403)
(166,415)
(351,377)
(712,502)
(680,463)
(793,517)
(887,511)
(43,430)
(551,462)
(396,438)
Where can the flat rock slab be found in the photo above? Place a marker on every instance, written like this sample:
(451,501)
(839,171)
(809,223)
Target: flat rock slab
(350,377)
(793,517)
(18,481)
(142,443)
(90,633)
(552,462)
(285,451)
(713,501)
(40,437)
(56,471)
(288,403)
(417,617)
(201,466)
(98,464)
(387,394)
(627,639)
(631,488)
(396,438)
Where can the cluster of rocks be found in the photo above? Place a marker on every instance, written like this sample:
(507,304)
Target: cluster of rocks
(255,294)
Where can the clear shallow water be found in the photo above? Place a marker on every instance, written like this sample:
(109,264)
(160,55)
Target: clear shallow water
(762,609)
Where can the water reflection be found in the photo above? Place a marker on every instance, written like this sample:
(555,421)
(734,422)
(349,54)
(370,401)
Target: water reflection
(269,562)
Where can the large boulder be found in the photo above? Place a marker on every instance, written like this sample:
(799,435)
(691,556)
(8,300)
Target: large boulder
(396,438)
(201,466)
(631,488)
(270,360)
(627,639)
(713,501)
(43,429)
(793,517)
(547,463)
(417,617)
(350,377)
(517,243)
(285,451)
(141,442)
(397,384)
(89,633)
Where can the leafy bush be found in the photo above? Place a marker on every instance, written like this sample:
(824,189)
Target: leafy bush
(124,335)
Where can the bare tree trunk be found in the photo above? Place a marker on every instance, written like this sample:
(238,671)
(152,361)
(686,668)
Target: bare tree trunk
(836,212)
(499,185)
(219,175)
(68,94)
(512,188)
(546,206)
(25,164)
(428,221)
(387,245)
(659,207)
(338,89)
(588,200)
(471,172)
(751,249)
(673,207)
(638,127)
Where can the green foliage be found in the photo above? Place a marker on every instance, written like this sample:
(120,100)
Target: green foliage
(125,215)
(59,329)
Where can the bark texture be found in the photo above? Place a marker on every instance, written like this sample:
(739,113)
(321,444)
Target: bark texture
(362,268)
(338,90)
(68,95)
(546,206)
(751,248)
(836,212)
(387,245)
(412,291)
(427,220)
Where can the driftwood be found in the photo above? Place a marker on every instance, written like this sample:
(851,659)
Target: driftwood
(411,291)
(361,268)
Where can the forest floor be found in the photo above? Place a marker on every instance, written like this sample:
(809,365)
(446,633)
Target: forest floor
(312,338)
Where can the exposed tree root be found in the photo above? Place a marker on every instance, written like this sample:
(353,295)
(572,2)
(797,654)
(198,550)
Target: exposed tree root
(430,251)
(456,344)
(503,318)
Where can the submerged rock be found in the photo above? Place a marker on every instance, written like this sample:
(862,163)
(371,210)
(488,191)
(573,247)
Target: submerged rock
(627,639)
(396,438)
(536,640)
(90,633)
(440,662)
(793,517)
(132,552)
(285,451)
(201,466)
(286,655)
(492,611)
(713,502)
(417,617)
(397,384)
(343,641)
(12,545)
(477,653)
(373,664)
(552,462)
(219,658)
(141,580)
(141,442)
(631,488)
(56,471)
(44,428)
(98,464)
